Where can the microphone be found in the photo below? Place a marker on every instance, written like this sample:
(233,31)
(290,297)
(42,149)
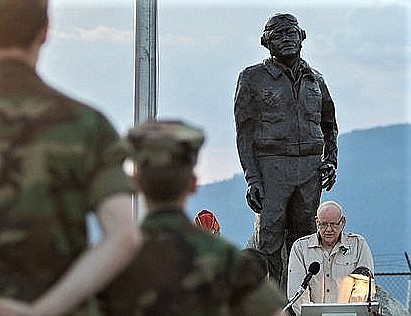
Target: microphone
(313,269)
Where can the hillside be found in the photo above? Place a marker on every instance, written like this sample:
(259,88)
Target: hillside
(373,185)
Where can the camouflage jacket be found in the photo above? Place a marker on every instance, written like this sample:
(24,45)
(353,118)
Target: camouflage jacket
(183,270)
(55,165)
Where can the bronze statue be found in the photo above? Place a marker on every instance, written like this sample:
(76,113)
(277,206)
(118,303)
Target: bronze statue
(286,139)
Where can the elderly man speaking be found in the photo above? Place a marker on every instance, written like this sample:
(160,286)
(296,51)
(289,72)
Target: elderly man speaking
(338,253)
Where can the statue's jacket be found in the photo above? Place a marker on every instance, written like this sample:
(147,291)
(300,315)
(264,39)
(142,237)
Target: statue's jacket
(279,116)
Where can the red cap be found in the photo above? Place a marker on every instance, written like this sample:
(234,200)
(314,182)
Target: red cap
(206,220)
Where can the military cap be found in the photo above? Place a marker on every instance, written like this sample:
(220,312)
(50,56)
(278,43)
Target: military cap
(278,21)
(163,143)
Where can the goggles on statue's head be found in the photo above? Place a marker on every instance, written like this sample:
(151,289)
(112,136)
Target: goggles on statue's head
(281,20)
(277,22)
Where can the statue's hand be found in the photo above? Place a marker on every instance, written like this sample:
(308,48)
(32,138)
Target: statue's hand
(328,175)
(254,196)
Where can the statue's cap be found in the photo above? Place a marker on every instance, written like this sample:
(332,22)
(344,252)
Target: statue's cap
(164,143)
(280,20)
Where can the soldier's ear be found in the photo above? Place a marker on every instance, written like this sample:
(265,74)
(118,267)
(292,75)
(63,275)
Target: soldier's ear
(303,35)
(42,36)
(192,186)
(263,41)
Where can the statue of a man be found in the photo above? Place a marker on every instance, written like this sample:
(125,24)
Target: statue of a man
(286,139)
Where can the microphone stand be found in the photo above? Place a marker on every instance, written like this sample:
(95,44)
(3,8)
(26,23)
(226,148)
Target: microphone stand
(369,294)
(312,270)
(294,299)
(369,297)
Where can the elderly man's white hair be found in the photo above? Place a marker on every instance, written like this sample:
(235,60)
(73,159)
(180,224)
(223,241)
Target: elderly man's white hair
(330,203)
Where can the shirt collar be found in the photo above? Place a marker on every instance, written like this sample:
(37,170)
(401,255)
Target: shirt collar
(275,68)
(314,241)
(165,217)
(344,244)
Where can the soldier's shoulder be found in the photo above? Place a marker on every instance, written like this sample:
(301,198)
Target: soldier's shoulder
(316,73)
(203,238)
(70,103)
(252,68)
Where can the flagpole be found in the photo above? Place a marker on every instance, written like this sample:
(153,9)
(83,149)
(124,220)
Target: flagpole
(146,56)
(145,71)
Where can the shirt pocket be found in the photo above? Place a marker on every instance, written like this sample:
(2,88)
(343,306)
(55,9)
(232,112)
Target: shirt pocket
(314,120)
(273,126)
(312,97)
(345,265)
(271,99)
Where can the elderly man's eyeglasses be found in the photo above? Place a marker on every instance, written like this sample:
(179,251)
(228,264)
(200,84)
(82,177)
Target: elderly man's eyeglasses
(324,225)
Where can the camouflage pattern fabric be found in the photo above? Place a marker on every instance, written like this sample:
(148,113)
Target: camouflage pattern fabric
(183,270)
(165,143)
(55,164)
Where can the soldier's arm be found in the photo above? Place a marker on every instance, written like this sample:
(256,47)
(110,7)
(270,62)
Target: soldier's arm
(262,300)
(252,295)
(244,115)
(328,125)
(97,266)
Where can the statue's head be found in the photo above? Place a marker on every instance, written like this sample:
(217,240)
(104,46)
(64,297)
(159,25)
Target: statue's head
(282,36)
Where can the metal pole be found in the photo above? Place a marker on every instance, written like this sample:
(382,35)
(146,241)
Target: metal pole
(407,258)
(146,70)
(145,91)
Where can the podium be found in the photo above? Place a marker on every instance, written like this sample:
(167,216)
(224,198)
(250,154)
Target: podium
(348,309)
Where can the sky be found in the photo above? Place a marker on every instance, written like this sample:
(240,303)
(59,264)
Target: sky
(361,48)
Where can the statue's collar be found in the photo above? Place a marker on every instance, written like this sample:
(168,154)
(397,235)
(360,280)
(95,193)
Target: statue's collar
(275,68)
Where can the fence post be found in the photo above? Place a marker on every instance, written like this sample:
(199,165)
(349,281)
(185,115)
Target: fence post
(409,283)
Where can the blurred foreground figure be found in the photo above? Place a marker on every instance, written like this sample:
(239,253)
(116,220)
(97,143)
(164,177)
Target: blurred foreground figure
(207,221)
(286,139)
(182,270)
(56,163)
(339,254)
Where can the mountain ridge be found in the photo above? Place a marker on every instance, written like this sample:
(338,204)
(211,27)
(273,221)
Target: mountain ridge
(373,186)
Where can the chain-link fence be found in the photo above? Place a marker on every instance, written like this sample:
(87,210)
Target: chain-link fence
(391,279)
(397,284)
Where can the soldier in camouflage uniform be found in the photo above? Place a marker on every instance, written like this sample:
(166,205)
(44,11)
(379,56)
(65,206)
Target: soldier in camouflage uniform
(182,269)
(56,163)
